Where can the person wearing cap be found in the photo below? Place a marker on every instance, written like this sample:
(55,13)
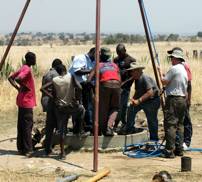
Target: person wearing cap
(175,82)
(80,68)
(49,107)
(109,98)
(187,119)
(23,81)
(123,61)
(66,94)
(146,98)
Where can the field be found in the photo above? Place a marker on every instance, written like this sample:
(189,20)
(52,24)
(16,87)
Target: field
(14,167)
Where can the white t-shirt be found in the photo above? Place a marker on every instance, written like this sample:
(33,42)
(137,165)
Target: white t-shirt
(177,77)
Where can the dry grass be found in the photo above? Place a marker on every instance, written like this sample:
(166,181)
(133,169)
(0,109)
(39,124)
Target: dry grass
(25,176)
(45,55)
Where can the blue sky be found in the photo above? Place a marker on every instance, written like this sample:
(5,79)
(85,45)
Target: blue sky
(166,16)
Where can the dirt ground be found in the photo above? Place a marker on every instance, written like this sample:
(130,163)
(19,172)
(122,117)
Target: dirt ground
(14,167)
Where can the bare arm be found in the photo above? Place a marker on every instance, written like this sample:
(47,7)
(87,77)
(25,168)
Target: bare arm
(163,80)
(13,83)
(44,89)
(91,75)
(143,98)
(189,90)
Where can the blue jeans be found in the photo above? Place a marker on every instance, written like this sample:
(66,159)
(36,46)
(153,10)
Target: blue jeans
(123,107)
(150,109)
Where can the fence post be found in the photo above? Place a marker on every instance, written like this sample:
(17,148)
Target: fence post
(195,54)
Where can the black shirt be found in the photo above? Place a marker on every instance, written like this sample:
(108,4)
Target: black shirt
(124,64)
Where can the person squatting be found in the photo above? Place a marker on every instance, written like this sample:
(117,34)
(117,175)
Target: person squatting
(70,93)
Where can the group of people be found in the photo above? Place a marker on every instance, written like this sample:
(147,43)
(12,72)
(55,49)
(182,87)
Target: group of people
(70,93)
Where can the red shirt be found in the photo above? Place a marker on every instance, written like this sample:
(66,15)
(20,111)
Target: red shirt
(188,70)
(25,99)
(109,71)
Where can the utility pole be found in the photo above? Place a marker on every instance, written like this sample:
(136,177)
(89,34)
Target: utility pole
(95,159)
(158,81)
(149,44)
(14,34)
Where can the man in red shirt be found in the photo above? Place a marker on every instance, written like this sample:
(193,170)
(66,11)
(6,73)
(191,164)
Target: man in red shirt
(109,92)
(23,81)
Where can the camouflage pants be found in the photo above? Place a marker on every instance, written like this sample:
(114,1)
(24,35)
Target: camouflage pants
(173,122)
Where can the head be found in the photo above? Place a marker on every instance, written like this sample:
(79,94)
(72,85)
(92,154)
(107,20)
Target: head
(30,58)
(175,48)
(162,176)
(176,55)
(135,70)
(61,69)
(121,50)
(91,53)
(56,62)
(105,54)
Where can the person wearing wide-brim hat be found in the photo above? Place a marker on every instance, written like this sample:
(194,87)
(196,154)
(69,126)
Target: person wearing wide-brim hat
(146,98)
(188,130)
(176,53)
(175,82)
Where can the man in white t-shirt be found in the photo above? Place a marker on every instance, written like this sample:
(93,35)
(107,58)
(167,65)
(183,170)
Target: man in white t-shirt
(188,130)
(175,81)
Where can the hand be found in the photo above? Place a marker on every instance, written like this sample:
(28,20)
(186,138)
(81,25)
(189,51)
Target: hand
(160,71)
(135,102)
(188,103)
(23,89)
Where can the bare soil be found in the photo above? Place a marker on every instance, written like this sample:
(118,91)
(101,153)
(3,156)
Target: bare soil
(14,167)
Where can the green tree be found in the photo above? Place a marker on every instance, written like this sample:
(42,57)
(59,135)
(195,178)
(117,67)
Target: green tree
(199,34)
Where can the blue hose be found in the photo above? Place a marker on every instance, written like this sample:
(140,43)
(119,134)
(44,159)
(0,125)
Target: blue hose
(144,150)
(151,150)
(194,150)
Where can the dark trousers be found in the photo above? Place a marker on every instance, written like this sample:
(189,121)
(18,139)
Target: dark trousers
(187,129)
(108,107)
(51,124)
(150,109)
(173,123)
(24,129)
(62,115)
(87,102)
(123,107)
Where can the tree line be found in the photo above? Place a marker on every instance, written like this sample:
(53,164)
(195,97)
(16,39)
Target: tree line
(39,38)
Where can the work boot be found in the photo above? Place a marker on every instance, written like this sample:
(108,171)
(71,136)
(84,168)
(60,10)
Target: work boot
(62,156)
(122,131)
(28,154)
(109,132)
(178,153)
(135,130)
(168,154)
(84,134)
